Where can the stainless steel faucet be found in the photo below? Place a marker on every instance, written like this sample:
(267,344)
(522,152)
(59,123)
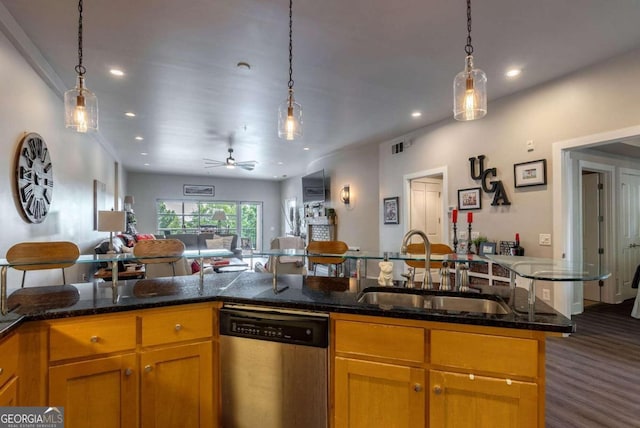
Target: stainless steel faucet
(428,282)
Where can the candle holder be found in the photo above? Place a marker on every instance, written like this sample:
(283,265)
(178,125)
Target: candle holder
(469,240)
(455,238)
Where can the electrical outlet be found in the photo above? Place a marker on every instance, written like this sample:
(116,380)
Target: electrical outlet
(475,235)
(546,294)
(544,239)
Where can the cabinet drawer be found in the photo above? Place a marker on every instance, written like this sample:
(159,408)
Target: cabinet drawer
(8,358)
(470,351)
(81,338)
(170,326)
(396,342)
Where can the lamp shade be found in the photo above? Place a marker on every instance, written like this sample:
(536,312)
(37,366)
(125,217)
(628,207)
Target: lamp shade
(111,221)
(129,200)
(219,216)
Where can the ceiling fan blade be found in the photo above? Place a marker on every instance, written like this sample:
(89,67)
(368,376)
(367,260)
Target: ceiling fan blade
(249,167)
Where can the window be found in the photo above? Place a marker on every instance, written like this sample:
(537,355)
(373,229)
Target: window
(241,218)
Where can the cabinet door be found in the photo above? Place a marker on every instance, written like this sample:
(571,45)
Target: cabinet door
(177,386)
(9,393)
(369,395)
(463,400)
(98,393)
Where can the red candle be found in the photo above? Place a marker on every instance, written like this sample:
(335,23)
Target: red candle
(454,216)
(517,237)
(469,217)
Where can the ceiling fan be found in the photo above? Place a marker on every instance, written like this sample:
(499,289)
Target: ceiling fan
(230,162)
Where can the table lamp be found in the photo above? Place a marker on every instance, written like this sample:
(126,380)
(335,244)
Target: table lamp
(111,221)
(128,202)
(220,216)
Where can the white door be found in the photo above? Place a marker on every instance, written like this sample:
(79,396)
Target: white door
(426,206)
(630,231)
(591,231)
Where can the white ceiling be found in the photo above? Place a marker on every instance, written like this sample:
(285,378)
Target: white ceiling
(360,67)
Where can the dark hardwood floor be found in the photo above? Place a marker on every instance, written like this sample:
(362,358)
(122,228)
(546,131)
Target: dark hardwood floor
(593,376)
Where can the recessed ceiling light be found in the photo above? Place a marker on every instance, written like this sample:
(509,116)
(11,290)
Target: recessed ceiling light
(116,72)
(243,65)
(279,163)
(139,138)
(146,164)
(144,153)
(513,72)
(416,114)
(130,114)
(307,148)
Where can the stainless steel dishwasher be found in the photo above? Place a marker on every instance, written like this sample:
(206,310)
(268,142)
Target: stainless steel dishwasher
(273,368)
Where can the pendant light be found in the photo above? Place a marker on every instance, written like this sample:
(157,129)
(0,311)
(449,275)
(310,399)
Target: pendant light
(80,104)
(290,112)
(470,85)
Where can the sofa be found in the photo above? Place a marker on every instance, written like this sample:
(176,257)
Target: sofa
(198,241)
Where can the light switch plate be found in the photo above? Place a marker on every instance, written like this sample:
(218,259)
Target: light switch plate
(475,235)
(544,239)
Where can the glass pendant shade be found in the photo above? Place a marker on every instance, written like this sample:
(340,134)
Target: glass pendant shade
(80,108)
(290,119)
(470,93)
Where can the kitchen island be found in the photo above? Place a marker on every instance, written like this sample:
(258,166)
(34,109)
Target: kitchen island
(146,351)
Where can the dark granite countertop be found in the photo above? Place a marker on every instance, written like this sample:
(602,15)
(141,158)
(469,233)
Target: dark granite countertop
(310,293)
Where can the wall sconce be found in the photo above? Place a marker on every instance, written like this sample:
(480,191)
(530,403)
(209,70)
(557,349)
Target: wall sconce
(345,194)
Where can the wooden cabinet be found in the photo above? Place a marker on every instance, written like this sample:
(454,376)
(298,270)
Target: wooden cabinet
(9,349)
(177,386)
(467,400)
(149,368)
(100,392)
(370,394)
(177,375)
(395,373)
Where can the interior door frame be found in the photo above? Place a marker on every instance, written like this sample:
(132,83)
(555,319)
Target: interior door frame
(406,195)
(564,197)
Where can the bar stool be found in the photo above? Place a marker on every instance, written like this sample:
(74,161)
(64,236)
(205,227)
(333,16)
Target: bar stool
(326,247)
(27,256)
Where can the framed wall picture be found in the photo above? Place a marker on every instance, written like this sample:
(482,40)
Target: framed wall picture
(532,173)
(391,210)
(469,199)
(487,248)
(198,190)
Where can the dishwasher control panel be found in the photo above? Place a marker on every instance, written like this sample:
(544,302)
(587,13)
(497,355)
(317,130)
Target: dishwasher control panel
(276,327)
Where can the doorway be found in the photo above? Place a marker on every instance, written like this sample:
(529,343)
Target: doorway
(426,206)
(592,230)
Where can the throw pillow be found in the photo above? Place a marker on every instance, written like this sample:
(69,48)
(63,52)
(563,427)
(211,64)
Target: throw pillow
(226,241)
(215,244)
(145,237)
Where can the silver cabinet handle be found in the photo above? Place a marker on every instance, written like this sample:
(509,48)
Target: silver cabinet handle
(148,368)
(178,327)
(437,389)
(417,387)
(94,339)
(128,372)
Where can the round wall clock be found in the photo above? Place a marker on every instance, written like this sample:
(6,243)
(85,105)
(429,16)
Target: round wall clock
(34,177)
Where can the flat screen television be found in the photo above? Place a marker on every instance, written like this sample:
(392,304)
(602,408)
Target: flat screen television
(314,187)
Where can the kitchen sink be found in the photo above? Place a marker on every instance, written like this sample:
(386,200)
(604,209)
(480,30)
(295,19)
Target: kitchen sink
(433,300)
(467,304)
(389,299)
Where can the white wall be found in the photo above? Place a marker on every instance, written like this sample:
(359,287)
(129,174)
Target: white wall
(30,105)
(357,167)
(147,188)
(596,99)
